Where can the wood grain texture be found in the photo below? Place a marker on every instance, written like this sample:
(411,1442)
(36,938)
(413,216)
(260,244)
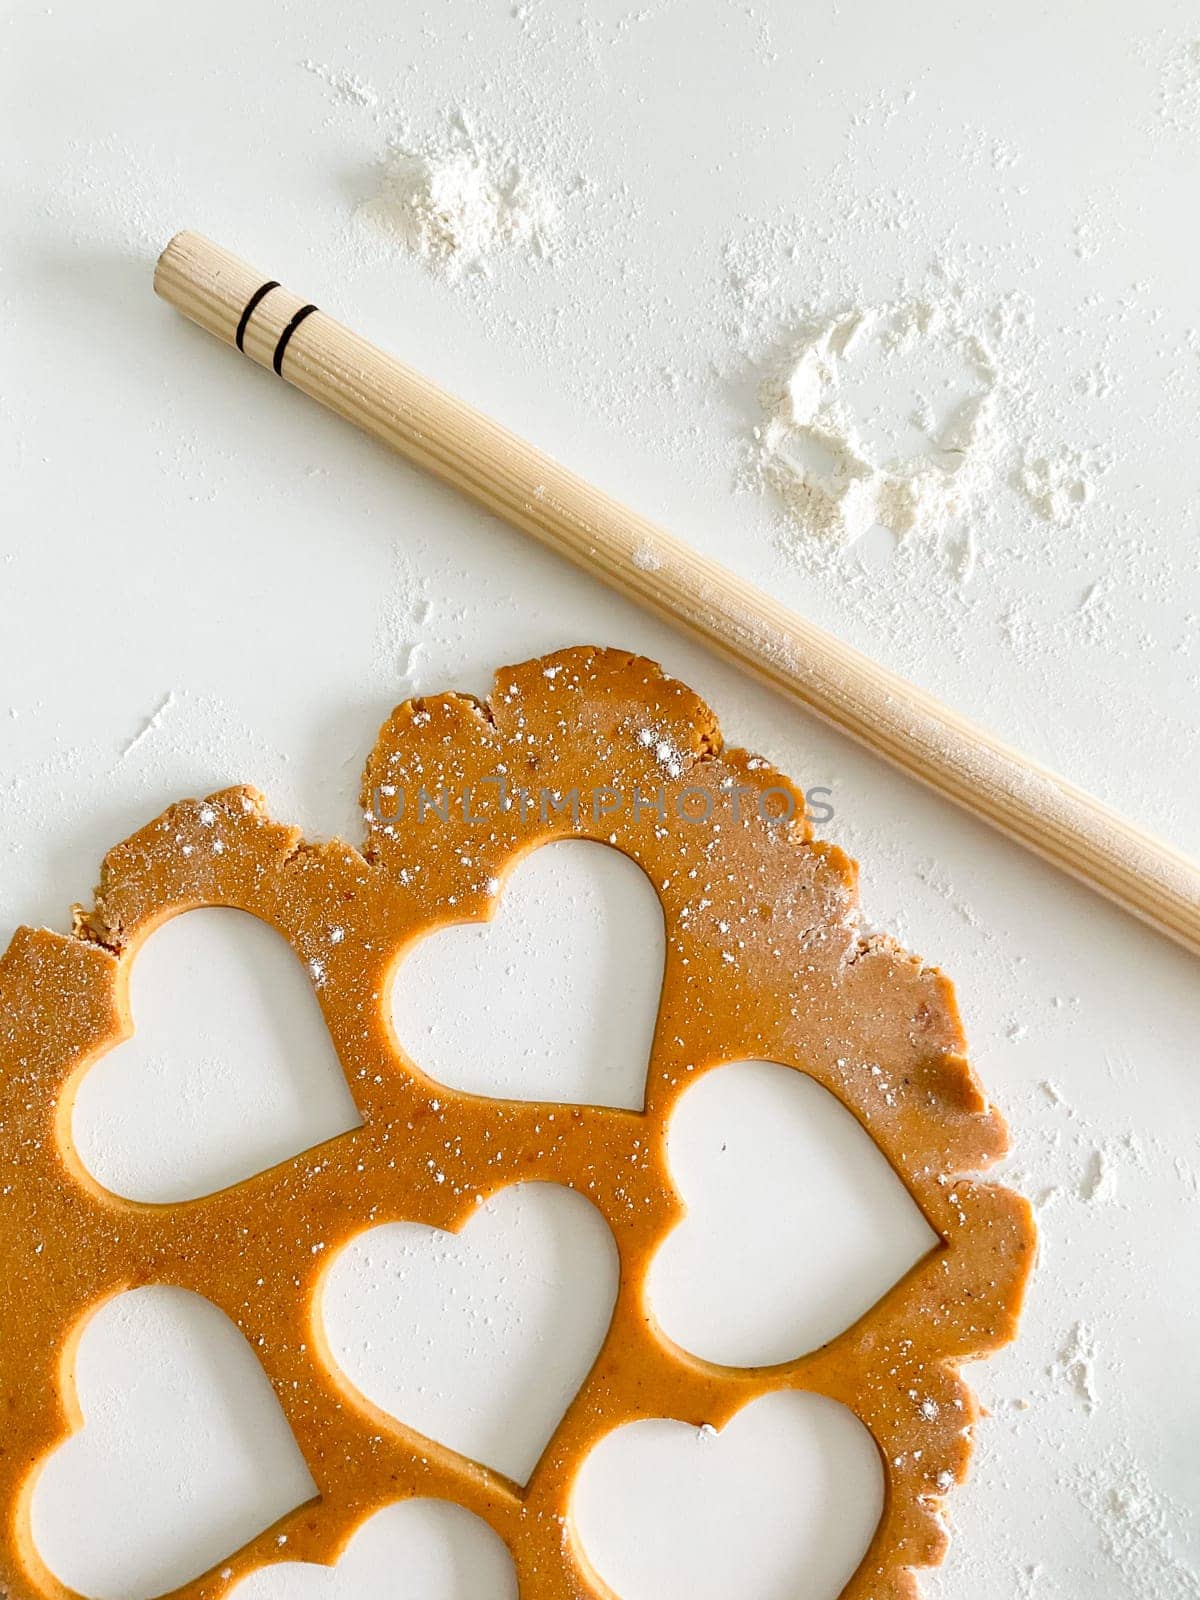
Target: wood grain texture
(881,710)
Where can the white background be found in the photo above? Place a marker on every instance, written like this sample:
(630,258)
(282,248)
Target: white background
(178,527)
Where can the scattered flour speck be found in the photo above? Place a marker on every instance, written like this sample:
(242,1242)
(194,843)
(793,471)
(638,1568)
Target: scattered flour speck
(646,558)
(1077,1364)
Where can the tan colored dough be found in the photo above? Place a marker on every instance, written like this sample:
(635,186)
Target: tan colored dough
(792,981)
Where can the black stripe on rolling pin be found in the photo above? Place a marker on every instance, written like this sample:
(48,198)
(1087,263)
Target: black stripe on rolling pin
(239,337)
(304,311)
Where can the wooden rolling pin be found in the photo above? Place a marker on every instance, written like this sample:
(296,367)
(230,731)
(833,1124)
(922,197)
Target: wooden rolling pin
(315,354)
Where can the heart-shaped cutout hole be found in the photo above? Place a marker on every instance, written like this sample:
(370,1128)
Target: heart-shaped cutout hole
(184,1454)
(418,1550)
(478,1339)
(230,1070)
(796,1223)
(783,1502)
(554,999)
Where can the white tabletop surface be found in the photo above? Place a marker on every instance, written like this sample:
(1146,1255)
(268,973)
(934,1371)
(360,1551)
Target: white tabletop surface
(183,535)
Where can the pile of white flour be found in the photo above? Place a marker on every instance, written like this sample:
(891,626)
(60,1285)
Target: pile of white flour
(456,199)
(908,415)
(834,480)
